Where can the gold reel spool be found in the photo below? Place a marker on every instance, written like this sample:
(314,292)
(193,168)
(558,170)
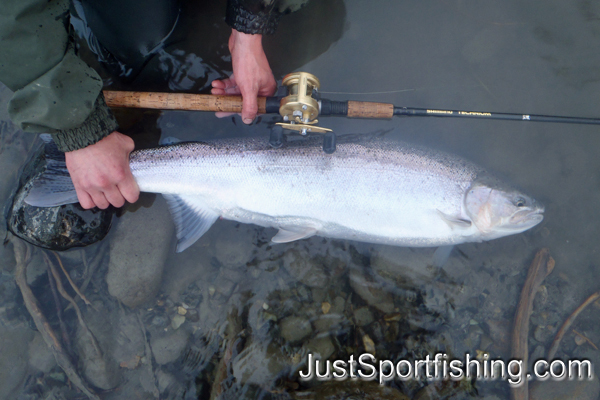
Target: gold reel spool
(299,107)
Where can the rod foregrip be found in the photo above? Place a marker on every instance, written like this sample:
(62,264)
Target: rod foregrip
(366,109)
(178,101)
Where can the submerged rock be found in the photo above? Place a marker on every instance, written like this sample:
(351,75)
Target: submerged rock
(95,348)
(168,347)
(370,291)
(40,356)
(294,329)
(350,389)
(586,389)
(260,364)
(363,316)
(138,251)
(54,228)
(301,266)
(234,247)
(13,365)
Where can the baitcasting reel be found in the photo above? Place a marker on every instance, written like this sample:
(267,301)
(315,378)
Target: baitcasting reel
(300,109)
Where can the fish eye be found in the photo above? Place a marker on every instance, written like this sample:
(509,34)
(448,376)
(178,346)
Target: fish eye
(520,202)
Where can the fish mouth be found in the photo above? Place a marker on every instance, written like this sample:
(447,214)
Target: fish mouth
(526,218)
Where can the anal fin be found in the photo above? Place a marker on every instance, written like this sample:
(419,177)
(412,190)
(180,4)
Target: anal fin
(286,235)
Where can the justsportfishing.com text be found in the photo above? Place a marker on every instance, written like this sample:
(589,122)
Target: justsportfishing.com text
(441,367)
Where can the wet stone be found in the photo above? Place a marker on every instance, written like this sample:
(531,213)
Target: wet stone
(538,354)
(40,355)
(303,293)
(54,228)
(320,346)
(338,305)
(499,330)
(318,295)
(223,285)
(259,364)
(95,349)
(177,321)
(541,333)
(164,380)
(168,347)
(300,266)
(326,323)
(371,292)
(565,389)
(403,263)
(363,316)
(36,267)
(294,329)
(351,389)
(13,366)
(160,320)
(138,251)
(234,247)
(129,343)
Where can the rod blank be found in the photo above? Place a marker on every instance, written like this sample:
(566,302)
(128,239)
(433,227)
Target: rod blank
(353,109)
(424,112)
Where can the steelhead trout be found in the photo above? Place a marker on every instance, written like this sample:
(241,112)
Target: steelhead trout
(371,191)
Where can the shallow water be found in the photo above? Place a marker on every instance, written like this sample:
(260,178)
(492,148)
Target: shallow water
(254,311)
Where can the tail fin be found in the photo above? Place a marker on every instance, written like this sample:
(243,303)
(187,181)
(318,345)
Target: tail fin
(54,187)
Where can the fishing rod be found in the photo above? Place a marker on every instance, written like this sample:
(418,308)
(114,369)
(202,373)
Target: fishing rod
(301,107)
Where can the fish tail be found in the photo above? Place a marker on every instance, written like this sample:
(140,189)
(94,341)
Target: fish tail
(54,186)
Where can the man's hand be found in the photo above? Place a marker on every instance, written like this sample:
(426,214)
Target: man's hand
(101,173)
(252,76)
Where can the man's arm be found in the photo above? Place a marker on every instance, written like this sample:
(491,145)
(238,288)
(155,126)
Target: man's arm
(56,92)
(251,76)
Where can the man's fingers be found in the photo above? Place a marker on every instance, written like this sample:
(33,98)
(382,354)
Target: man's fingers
(224,83)
(115,197)
(100,200)
(233,91)
(85,200)
(129,191)
(228,91)
(221,114)
(217,84)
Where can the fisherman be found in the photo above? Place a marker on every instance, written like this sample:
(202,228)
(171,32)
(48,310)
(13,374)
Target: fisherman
(56,92)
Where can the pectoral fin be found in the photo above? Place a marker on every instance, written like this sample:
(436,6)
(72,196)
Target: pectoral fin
(286,235)
(192,218)
(454,222)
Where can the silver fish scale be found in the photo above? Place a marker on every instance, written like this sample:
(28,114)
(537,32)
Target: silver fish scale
(373,191)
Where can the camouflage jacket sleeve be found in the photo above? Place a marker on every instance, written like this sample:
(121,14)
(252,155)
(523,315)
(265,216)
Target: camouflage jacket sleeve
(259,16)
(54,90)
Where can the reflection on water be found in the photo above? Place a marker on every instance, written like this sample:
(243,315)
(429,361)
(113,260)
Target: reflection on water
(236,317)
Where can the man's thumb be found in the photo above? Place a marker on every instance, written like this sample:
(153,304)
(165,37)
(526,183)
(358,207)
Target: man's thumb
(249,108)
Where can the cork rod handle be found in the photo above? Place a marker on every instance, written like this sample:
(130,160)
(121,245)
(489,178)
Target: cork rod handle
(178,101)
(365,109)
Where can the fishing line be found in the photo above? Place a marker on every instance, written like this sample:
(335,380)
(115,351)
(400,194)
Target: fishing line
(369,93)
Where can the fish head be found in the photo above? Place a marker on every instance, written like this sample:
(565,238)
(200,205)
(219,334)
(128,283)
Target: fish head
(498,210)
